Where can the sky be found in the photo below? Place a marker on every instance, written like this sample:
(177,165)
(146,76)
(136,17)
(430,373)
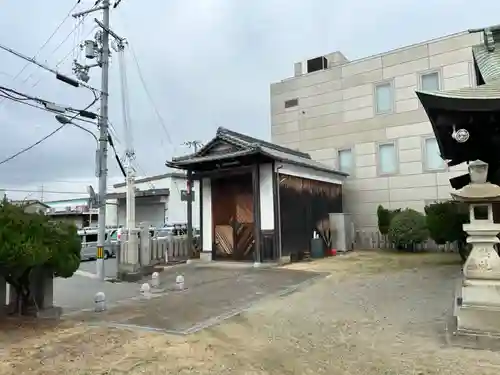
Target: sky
(204,64)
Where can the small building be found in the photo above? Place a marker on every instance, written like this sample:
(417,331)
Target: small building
(160,200)
(259,201)
(76,210)
(32,206)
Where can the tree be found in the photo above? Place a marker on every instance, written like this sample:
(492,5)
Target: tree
(29,241)
(408,228)
(445,221)
(385,217)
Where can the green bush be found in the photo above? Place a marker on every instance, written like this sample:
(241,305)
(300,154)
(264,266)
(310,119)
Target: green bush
(408,228)
(445,223)
(385,217)
(29,242)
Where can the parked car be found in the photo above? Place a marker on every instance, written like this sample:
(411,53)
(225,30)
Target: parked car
(88,237)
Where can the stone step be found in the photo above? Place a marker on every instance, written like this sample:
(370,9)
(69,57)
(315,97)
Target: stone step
(478,319)
(470,339)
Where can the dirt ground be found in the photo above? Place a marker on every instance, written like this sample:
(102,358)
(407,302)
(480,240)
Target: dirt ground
(376,313)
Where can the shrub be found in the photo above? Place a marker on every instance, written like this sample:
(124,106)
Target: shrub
(408,228)
(385,217)
(31,241)
(445,220)
(445,223)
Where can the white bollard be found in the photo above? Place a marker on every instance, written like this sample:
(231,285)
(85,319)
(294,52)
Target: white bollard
(155,280)
(179,282)
(100,302)
(145,290)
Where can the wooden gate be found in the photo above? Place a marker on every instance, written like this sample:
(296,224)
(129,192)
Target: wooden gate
(233,219)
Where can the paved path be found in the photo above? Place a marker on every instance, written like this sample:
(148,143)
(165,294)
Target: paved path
(110,267)
(77,292)
(212,294)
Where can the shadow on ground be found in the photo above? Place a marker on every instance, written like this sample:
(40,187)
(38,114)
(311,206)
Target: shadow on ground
(211,295)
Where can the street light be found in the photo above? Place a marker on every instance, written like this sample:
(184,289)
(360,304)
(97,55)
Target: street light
(66,120)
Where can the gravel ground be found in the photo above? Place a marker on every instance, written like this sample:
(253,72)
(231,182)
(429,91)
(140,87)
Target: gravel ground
(368,317)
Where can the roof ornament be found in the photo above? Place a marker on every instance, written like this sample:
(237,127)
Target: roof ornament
(488,36)
(460,135)
(489,41)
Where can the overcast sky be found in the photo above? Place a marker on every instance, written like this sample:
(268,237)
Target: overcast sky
(206,63)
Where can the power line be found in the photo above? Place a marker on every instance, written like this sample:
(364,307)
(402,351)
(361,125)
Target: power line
(60,76)
(9,91)
(47,41)
(42,108)
(62,60)
(32,146)
(26,149)
(45,191)
(77,27)
(143,82)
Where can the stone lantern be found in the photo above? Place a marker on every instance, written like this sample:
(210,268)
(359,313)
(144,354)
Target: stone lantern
(479,310)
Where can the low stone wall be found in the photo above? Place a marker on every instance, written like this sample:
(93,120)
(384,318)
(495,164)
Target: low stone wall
(172,249)
(150,253)
(375,240)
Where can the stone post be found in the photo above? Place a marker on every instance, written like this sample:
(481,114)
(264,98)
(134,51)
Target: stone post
(128,266)
(145,249)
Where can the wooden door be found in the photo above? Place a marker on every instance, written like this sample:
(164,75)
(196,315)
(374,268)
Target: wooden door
(232,216)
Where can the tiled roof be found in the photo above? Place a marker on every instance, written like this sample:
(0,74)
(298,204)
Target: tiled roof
(490,90)
(487,56)
(487,62)
(246,145)
(487,66)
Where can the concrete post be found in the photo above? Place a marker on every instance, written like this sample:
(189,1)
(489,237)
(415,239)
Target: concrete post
(128,266)
(145,249)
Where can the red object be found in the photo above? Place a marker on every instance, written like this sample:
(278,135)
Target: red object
(188,186)
(333,252)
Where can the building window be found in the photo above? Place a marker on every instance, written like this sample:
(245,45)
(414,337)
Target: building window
(430,82)
(345,161)
(433,160)
(291,103)
(383,98)
(387,158)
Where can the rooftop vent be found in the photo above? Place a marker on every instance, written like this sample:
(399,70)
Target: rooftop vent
(318,63)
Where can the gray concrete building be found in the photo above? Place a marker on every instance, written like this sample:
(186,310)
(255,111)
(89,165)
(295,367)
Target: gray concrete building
(363,117)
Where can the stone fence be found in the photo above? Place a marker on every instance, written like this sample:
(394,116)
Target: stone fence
(158,250)
(173,249)
(375,240)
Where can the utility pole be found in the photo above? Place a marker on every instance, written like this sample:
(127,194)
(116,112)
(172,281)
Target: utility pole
(193,144)
(131,229)
(91,47)
(103,142)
